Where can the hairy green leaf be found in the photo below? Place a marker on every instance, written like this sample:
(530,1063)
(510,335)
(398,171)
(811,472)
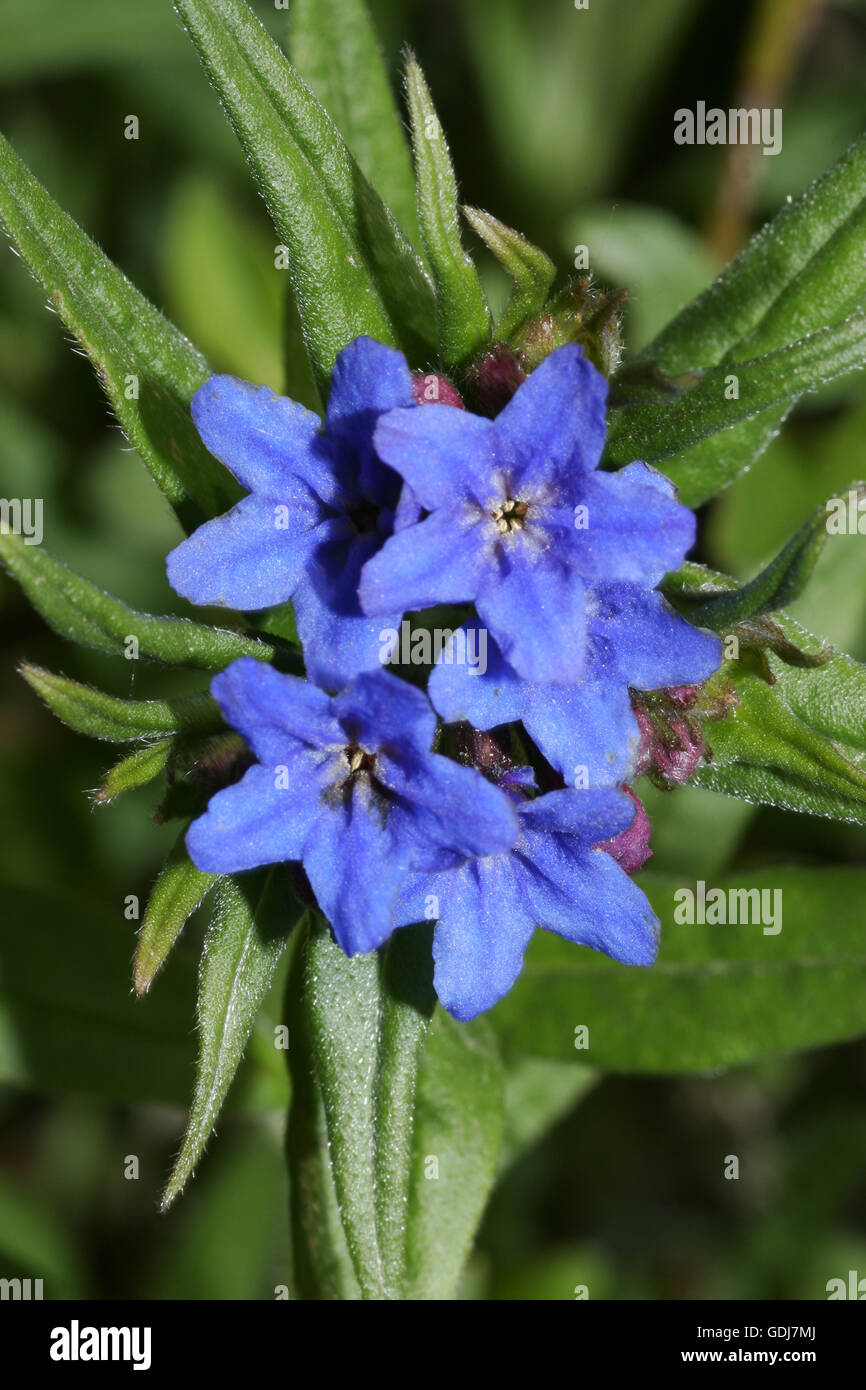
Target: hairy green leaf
(251,920)
(107,717)
(352,269)
(780,582)
(462,313)
(335,48)
(659,432)
(86,614)
(721,993)
(148,369)
(764,752)
(797,742)
(180,889)
(458,1136)
(135,770)
(366,1021)
(801,272)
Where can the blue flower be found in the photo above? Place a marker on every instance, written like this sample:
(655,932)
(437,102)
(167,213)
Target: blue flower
(321,503)
(586,731)
(520,520)
(348,786)
(554,877)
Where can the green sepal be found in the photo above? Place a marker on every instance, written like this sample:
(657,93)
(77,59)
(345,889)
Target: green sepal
(531,272)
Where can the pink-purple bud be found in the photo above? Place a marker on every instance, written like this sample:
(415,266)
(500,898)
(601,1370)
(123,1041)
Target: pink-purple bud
(495,377)
(630,848)
(432,388)
(669,750)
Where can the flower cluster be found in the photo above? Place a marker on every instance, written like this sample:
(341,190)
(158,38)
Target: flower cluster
(394,506)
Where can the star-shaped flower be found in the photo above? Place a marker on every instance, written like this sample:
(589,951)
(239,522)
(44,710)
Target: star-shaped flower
(321,502)
(520,521)
(555,877)
(348,786)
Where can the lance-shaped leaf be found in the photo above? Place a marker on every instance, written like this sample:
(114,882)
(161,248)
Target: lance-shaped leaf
(79,610)
(180,889)
(804,270)
(657,433)
(366,1021)
(531,272)
(462,313)
(830,700)
(322,1265)
(800,271)
(775,963)
(335,48)
(782,580)
(246,937)
(148,369)
(92,712)
(135,770)
(395,1127)
(457,1143)
(353,271)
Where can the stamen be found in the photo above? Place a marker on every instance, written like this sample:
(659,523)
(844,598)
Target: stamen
(360,760)
(510,516)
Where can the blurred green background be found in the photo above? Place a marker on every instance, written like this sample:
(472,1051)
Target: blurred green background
(560,122)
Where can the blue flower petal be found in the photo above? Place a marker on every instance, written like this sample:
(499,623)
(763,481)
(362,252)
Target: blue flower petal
(554,426)
(247,560)
(591,816)
(651,645)
(637,529)
(479,943)
(378,709)
(368,379)
(444,454)
(451,811)
(483,698)
(256,821)
(534,607)
(587,732)
(266,440)
(481,934)
(586,897)
(440,560)
(277,714)
(356,861)
(337,646)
